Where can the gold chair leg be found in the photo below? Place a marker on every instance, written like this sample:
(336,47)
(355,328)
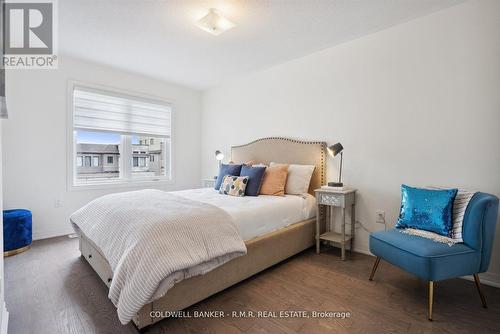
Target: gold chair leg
(478,286)
(375,265)
(431,298)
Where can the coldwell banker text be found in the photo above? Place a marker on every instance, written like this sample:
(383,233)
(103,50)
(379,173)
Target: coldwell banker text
(29,35)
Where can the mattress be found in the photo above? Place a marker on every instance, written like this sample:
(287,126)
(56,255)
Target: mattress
(257,215)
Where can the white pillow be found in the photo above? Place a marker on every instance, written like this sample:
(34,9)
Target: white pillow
(299,177)
(460,204)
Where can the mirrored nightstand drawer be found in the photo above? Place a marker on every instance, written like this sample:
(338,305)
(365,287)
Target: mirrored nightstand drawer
(331,199)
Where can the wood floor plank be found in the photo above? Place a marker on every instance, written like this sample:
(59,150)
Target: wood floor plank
(50,289)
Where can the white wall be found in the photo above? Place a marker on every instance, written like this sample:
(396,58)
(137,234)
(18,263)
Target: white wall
(35,138)
(418,103)
(4,315)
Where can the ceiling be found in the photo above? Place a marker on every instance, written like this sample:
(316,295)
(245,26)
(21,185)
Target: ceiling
(158,38)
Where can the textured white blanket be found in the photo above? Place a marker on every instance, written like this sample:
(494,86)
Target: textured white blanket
(150,236)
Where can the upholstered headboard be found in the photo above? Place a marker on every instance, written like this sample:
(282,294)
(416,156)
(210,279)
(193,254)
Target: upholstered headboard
(288,151)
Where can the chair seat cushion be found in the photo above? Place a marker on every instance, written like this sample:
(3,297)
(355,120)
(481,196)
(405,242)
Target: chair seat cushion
(425,258)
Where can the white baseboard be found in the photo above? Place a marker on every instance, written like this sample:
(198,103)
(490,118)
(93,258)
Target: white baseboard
(487,278)
(52,234)
(5,320)
(363,251)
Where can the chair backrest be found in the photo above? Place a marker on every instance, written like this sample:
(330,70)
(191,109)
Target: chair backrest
(480,220)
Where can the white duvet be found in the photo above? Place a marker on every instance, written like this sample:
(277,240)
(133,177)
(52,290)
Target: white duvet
(257,215)
(151,237)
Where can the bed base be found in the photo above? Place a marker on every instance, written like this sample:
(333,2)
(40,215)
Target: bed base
(263,252)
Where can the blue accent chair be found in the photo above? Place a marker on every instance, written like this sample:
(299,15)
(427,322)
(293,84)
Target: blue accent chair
(433,261)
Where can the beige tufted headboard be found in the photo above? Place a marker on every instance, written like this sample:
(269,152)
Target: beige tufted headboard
(288,151)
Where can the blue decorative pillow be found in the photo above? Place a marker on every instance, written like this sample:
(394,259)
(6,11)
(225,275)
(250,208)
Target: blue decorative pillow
(255,174)
(426,209)
(224,170)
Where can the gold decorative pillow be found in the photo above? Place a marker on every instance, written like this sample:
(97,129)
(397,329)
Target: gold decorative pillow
(274,180)
(234,185)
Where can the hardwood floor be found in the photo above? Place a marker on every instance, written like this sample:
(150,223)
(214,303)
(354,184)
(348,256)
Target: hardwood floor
(49,289)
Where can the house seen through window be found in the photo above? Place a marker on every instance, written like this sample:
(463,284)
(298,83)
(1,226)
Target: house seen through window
(119,139)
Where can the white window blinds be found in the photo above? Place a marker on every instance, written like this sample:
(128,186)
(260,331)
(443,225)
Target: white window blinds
(100,111)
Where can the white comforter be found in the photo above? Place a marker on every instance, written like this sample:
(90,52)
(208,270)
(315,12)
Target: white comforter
(257,215)
(151,237)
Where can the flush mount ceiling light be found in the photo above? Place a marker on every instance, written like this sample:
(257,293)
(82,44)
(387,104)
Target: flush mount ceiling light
(214,22)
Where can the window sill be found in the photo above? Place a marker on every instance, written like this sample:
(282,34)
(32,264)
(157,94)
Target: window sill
(116,184)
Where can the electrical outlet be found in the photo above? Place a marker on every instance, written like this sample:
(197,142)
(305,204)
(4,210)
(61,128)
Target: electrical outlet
(380,217)
(58,203)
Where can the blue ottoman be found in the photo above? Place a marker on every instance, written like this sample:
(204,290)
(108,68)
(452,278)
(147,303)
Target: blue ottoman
(16,231)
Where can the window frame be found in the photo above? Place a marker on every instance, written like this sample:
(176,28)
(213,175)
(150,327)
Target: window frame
(132,182)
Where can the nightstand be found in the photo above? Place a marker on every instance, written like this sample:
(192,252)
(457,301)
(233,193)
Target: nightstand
(208,183)
(330,198)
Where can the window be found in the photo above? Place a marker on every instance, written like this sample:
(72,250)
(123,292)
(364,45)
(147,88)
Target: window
(108,126)
(88,161)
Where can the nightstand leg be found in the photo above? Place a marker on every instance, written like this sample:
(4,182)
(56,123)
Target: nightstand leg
(318,213)
(343,234)
(328,218)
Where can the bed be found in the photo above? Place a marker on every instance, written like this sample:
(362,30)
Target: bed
(273,228)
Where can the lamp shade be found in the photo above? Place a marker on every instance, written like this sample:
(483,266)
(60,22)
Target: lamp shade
(219,155)
(335,149)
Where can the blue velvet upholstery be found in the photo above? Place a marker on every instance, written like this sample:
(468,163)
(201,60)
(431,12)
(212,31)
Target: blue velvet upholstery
(230,169)
(435,261)
(255,174)
(16,229)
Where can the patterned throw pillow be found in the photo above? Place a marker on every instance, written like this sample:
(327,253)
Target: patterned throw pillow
(234,185)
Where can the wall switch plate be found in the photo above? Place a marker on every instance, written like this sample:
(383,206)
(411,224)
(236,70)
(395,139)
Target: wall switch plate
(58,203)
(380,217)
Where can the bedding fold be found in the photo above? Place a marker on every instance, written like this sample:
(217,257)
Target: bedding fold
(151,237)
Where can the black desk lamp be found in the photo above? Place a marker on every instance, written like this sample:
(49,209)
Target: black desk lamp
(334,150)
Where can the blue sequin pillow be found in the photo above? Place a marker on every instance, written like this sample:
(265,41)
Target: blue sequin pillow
(426,209)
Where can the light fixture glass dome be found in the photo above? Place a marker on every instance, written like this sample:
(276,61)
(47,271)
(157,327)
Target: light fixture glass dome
(214,22)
